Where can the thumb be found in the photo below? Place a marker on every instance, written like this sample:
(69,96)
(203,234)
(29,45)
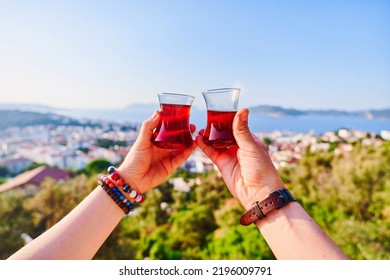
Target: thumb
(147,128)
(241,130)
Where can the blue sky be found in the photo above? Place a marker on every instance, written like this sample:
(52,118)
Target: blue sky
(96,54)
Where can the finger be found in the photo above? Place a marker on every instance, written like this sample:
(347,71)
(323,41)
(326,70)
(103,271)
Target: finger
(192,128)
(182,157)
(147,128)
(241,130)
(210,152)
(259,142)
(175,159)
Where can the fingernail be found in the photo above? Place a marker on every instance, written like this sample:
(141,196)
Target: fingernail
(244,117)
(154,116)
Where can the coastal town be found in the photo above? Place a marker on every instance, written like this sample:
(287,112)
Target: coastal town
(71,148)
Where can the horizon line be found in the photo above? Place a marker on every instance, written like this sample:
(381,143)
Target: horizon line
(194,106)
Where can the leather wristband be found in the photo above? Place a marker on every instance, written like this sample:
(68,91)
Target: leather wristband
(259,210)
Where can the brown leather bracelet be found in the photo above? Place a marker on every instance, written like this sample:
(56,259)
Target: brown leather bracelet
(259,210)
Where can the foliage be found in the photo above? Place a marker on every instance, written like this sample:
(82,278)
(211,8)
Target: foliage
(3,171)
(14,220)
(34,214)
(107,143)
(348,195)
(34,165)
(97,166)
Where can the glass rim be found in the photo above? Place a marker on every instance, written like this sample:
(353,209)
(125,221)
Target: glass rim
(176,94)
(221,89)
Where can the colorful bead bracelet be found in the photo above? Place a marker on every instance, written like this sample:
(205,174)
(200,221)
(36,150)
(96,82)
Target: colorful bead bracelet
(116,196)
(113,184)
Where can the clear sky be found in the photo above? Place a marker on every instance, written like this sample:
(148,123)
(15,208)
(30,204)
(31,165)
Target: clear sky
(95,54)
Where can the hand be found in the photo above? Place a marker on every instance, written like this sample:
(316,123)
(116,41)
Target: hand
(146,166)
(247,170)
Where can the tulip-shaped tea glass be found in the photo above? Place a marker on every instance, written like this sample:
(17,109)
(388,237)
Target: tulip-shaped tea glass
(173,131)
(222,106)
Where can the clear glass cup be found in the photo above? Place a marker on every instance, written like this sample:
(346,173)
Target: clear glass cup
(222,106)
(173,131)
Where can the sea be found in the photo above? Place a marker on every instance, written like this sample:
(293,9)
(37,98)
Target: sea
(257,122)
(307,123)
(136,113)
(317,124)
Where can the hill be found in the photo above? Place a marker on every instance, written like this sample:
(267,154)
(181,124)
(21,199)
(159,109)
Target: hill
(277,111)
(139,111)
(22,114)
(23,118)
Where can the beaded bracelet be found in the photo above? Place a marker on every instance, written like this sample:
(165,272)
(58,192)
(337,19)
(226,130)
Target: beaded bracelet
(118,198)
(125,187)
(112,184)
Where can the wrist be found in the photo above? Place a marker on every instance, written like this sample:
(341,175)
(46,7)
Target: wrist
(260,209)
(261,190)
(258,195)
(123,194)
(129,178)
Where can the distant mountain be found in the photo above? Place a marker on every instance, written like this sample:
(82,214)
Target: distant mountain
(29,107)
(18,118)
(11,118)
(135,113)
(385,114)
(277,111)
(142,107)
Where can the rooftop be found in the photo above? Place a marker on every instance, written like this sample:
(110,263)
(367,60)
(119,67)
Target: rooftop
(35,176)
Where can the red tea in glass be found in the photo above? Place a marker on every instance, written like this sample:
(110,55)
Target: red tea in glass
(173,131)
(219,131)
(221,109)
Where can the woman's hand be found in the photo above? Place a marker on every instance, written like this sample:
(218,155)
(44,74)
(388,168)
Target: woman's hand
(146,166)
(247,170)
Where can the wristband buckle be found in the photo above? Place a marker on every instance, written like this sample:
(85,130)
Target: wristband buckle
(259,210)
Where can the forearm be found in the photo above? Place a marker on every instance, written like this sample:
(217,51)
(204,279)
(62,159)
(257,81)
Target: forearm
(292,234)
(78,235)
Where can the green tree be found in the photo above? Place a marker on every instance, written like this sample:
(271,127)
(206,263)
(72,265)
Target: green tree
(56,199)
(14,220)
(3,171)
(347,195)
(97,166)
